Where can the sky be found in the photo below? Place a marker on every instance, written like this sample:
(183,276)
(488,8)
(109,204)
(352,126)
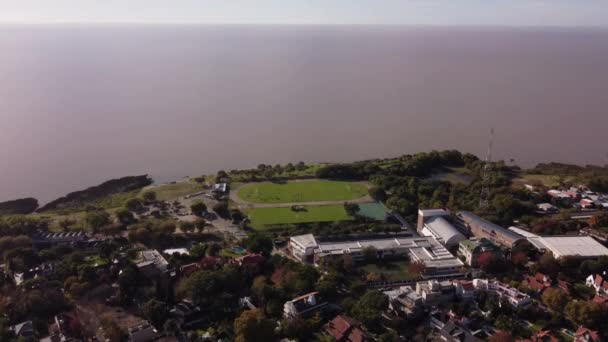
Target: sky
(564,13)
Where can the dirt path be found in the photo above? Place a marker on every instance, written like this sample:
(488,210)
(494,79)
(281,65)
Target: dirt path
(249,205)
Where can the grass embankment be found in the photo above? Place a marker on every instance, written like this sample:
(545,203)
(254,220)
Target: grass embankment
(392,271)
(171,191)
(305,191)
(262,218)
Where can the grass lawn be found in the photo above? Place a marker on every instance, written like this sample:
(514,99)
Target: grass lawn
(306,191)
(454,175)
(260,217)
(166,192)
(547,180)
(394,270)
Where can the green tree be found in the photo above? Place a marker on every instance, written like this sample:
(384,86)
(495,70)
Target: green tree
(124,216)
(221,208)
(198,208)
(187,227)
(369,308)
(149,196)
(555,299)
(377,193)
(97,218)
(258,243)
(352,209)
(252,325)
(134,204)
(156,312)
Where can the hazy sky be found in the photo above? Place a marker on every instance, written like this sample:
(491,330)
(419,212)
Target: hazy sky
(577,13)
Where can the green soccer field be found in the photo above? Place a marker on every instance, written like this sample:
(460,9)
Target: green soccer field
(305,191)
(262,217)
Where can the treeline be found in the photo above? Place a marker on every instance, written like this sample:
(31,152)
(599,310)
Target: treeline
(80,199)
(19,206)
(417,165)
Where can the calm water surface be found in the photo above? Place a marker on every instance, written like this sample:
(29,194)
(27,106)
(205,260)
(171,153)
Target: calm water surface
(79,105)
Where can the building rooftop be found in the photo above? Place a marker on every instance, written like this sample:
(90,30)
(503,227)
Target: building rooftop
(490,228)
(444,230)
(584,246)
(306,241)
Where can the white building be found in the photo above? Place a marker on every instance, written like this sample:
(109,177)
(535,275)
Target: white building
(561,246)
(512,295)
(432,222)
(436,258)
(302,305)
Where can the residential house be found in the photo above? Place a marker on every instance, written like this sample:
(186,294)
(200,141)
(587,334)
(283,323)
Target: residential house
(345,329)
(187,313)
(541,336)
(252,259)
(142,332)
(434,292)
(546,208)
(538,282)
(189,269)
(464,289)
(405,302)
(598,283)
(513,296)
(303,306)
(586,335)
(450,329)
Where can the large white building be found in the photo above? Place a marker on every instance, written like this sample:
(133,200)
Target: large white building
(561,246)
(433,222)
(437,259)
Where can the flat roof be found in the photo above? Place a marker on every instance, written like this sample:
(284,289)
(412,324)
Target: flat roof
(584,246)
(306,240)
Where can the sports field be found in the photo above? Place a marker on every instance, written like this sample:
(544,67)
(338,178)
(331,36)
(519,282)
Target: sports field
(261,217)
(303,191)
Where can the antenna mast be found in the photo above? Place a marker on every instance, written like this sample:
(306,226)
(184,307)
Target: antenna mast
(484,199)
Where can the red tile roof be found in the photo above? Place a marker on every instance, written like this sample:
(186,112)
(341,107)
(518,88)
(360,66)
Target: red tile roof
(345,329)
(584,334)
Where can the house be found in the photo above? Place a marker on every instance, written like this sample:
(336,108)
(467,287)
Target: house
(252,259)
(303,305)
(220,188)
(472,249)
(210,263)
(24,330)
(546,208)
(152,264)
(598,283)
(513,296)
(586,203)
(405,302)
(450,329)
(345,329)
(538,282)
(464,289)
(484,229)
(186,313)
(46,270)
(586,335)
(66,327)
(434,292)
(434,223)
(142,332)
(189,269)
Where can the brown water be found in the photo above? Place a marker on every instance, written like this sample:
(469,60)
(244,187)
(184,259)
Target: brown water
(79,105)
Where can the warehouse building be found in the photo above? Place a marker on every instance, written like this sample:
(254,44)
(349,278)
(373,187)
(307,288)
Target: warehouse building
(562,246)
(434,223)
(484,229)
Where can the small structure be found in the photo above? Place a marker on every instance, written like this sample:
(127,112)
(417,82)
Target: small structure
(24,330)
(186,313)
(546,208)
(220,188)
(405,302)
(598,283)
(465,289)
(434,292)
(586,335)
(472,249)
(43,270)
(303,306)
(345,329)
(142,332)
(151,263)
(538,282)
(180,251)
(433,222)
(252,259)
(47,239)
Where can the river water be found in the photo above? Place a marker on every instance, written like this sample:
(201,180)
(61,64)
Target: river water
(82,104)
